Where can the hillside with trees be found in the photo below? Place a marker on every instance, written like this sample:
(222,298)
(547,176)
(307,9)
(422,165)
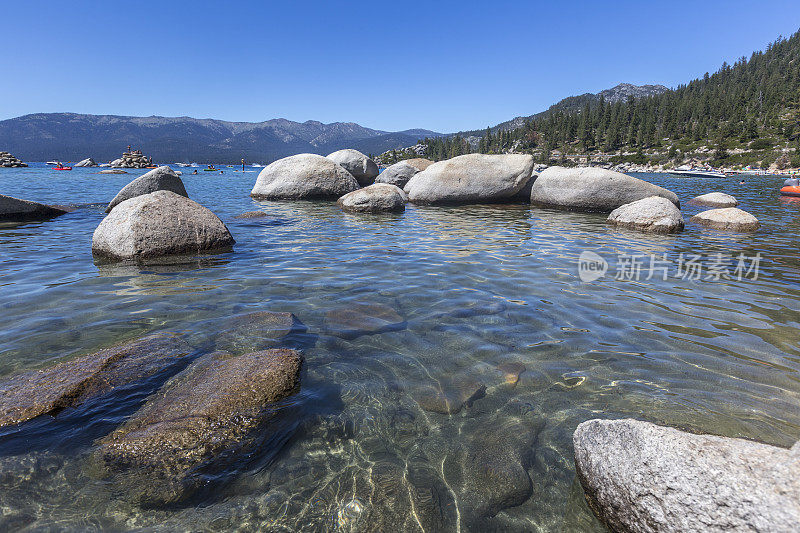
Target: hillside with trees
(747,113)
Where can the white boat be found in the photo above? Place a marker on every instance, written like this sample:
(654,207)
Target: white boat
(182,164)
(686,170)
(256,165)
(53,163)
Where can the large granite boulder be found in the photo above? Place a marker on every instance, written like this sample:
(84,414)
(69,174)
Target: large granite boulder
(303,176)
(653,214)
(360,166)
(214,412)
(714,199)
(159,179)
(728,218)
(471,178)
(639,477)
(17,210)
(398,174)
(88,162)
(159,224)
(49,390)
(375,198)
(592,189)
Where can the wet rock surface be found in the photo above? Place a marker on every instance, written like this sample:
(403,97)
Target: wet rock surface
(204,417)
(362,318)
(258,330)
(450,397)
(70,383)
(647,478)
(252,214)
(17,210)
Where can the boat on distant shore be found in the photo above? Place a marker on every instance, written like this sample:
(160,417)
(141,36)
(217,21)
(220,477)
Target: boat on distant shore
(686,170)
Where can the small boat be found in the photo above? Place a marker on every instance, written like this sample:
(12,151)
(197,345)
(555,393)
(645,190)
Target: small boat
(790,190)
(153,166)
(256,165)
(56,163)
(210,168)
(686,170)
(62,168)
(183,164)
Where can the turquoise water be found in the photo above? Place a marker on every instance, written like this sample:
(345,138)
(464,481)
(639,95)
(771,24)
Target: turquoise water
(494,317)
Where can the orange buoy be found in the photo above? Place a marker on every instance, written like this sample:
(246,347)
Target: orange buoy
(790,190)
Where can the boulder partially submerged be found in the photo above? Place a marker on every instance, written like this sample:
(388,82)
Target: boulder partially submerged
(714,199)
(303,177)
(728,218)
(88,162)
(17,210)
(639,477)
(398,174)
(258,330)
(653,214)
(362,318)
(68,384)
(592,189)
(9,161)
(375,198)
(471,178)
(159,224)
(215,411)
(159,179)
(360,166)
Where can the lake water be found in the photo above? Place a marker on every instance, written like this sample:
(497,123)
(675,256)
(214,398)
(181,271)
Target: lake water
(494,317)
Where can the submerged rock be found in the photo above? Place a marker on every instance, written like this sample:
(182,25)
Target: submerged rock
(17,210)
(113,171)
(159,224)
(204,417)
(303,176)
(68,384)
(646,478)
(449,398)
(728,218)
(471,178)
(252,214)
(592,189)
(360,166)
(88,162)
(398,174)
(375,198)
(653,214)
(257,331)
(359,319)
(715,199)
(159,179)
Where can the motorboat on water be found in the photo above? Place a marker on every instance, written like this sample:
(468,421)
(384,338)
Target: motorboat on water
(182,164)
(691,172)
(56,163)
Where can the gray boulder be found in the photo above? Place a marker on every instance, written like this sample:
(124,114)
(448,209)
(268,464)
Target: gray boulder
(88,162)
(212,413)
(158,179)
(113,171)
(303,176)
(653,214)
(592,189)
(17,210)
(375,198)
(471,178)
(639,477)
(158,224)
(360,166)
(397,174)
(729,218)
(714,199)
(420,163)
(68,384)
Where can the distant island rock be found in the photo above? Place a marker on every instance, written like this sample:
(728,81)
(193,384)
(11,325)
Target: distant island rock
(88,162)
(9,161)
(134,159)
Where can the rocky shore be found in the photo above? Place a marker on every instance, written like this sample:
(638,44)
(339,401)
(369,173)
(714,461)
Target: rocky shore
(9,161)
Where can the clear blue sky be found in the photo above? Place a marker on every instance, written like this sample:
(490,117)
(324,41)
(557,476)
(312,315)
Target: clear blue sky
(440,65)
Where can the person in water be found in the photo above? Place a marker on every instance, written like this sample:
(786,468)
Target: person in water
(195,171)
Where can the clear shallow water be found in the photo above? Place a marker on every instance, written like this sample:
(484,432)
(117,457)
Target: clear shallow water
(485,292)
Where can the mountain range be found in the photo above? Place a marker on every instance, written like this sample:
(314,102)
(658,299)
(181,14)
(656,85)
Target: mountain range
(72,137)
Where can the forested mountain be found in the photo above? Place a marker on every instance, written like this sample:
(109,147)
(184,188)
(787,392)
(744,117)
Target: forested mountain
(745,113)
(70,136)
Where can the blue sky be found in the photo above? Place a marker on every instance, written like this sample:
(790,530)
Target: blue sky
(445,66)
